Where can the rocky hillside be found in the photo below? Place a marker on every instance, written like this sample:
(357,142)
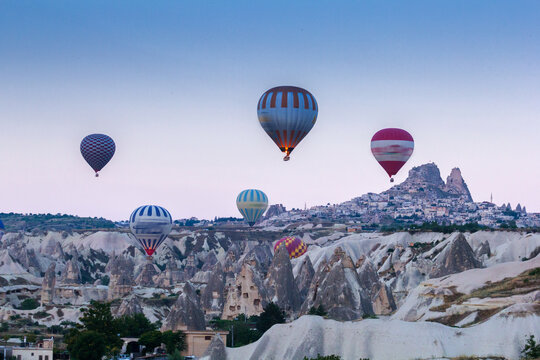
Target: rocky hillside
(415,283)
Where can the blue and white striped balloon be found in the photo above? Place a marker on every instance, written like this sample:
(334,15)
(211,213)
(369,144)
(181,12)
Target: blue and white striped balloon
(150,224)
(252,204)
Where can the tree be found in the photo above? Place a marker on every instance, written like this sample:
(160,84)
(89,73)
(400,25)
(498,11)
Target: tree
(175,356)
(531,349)
(98,317)
(320,311)
(88,345)
(174,341)
(271,315)
(151,339)
(134,325)
(28,304)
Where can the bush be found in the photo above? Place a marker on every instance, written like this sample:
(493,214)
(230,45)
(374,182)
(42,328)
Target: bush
(271,315)
(29,304)
(41,315)
(320,311)
(531,349)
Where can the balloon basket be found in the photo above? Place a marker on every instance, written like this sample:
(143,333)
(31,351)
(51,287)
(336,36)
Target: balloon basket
(391,180)
(287,158)
(97,175)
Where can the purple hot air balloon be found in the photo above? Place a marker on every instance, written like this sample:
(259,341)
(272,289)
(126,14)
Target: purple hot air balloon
(97,150)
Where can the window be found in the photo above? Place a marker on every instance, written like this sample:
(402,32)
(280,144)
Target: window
(208,338)
(46,357)
(40,357)
(18,357)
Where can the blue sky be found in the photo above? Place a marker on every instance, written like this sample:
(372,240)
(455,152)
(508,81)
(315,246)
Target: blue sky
(176,84)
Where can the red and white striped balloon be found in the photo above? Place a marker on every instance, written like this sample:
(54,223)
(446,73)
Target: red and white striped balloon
(392,148)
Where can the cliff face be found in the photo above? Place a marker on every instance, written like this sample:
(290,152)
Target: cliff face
(245,295)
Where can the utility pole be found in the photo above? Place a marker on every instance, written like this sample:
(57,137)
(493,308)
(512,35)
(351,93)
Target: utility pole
(232,335)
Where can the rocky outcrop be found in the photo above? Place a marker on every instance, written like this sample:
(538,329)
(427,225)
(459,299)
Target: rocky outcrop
(380,295)
(209,262)
(246,295)
(456,257)
(72,273)
(304,277)
(336,287)
(48,285)
(455,185)
(280,282)
(186,313)
(26,257)
(216,350)
(190,268)
(212,294)
(275,210)
(120,269)
(130,306)
(483,250)
(170,276)
(146,276)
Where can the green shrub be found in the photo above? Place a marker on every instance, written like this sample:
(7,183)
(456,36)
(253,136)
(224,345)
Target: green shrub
(531,349)
(28,304)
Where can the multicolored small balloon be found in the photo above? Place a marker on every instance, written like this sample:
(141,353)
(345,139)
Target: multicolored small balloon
(150,225)
(97,150)
(392,148)
(295,246)
(252,204)
(287,114)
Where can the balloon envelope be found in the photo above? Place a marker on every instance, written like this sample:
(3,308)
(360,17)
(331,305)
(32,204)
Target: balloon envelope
(150,224)
(287,114)
(97,150)
(252,204)
(392,148)
(295,246)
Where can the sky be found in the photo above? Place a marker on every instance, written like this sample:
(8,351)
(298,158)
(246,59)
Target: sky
(176,85)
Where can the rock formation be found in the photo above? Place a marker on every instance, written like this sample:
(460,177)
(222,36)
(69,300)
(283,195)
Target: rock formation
(380,295)
(483,250)
(456,185)
(209,261)
(71,274)
(120,269)
(216,350)
(336,287)
(186,313)
(280,282)
(48,284)
(212,294)
(246,295)
(304,277)
(456,257)
(274,210)
(129,306)
(146,276)
(170,276)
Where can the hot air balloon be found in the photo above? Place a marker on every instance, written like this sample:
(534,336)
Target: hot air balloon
(392,148)
(150,224)
(2,229)
(97,150)
(295,246)
(287,114)
(252,204)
